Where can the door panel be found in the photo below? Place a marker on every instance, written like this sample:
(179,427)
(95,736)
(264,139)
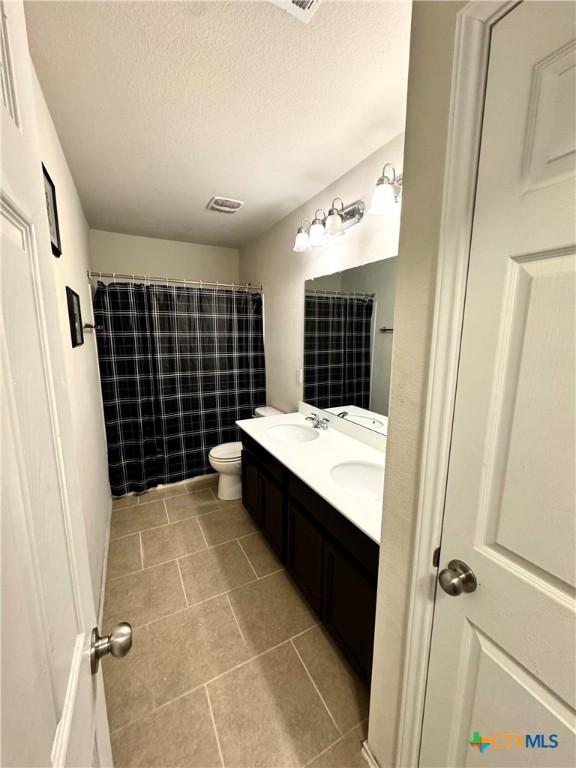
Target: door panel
(274,515)
(22,620)
(251,486)
(350,608)
(306,556)
(60,703)
(486,669)
(502,657)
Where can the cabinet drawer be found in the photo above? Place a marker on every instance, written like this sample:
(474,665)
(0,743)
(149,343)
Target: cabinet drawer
(306,555)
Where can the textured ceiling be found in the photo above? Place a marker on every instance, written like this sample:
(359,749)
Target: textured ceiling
(160,105)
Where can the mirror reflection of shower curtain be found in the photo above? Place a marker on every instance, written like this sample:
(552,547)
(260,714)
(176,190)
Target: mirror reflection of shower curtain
(178,366)
(337,350)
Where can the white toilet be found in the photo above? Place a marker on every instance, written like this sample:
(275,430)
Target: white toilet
(226,459)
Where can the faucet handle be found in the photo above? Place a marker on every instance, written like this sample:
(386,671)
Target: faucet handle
(312,417)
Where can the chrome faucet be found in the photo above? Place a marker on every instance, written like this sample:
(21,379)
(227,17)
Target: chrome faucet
(317,422)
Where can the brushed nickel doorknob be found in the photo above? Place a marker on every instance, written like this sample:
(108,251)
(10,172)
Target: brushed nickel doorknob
(457,578)
(117,643)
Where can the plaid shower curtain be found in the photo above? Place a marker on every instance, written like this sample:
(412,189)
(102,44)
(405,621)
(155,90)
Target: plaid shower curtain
(178,366)
(337,350)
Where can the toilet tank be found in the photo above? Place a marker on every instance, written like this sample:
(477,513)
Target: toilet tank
(266,410)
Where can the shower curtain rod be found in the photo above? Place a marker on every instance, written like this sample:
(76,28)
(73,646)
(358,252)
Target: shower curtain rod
(149,279)
(327,292)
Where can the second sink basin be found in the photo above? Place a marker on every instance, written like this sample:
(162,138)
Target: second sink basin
(360,478)
(293,433)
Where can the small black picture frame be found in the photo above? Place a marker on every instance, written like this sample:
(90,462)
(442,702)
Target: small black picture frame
(52,209)
(74,317)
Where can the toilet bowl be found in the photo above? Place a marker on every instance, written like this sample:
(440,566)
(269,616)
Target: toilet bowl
(226,459)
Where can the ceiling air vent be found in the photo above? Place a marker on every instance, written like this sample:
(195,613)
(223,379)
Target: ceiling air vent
(301,9)
(224,204)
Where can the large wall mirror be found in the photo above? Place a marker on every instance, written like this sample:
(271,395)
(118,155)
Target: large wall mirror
(348,332)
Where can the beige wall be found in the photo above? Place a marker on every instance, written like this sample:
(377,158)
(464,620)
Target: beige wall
(81,362)
(131,254)
(432,41)
(270,260)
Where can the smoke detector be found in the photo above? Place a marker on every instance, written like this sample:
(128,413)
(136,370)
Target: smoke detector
(224,204)
(301,9)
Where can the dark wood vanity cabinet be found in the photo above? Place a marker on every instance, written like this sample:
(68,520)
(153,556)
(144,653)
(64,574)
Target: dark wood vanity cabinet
(273,507)
(251,487)
(334,564)
(306,555)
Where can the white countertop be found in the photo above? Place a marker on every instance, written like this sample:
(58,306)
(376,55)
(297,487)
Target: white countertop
(312,462)
(354,410)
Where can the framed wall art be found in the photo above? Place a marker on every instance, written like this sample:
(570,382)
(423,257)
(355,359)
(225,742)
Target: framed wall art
(52,209)
(74,317)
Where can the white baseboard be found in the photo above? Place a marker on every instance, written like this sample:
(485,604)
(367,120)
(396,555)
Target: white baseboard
(368,756)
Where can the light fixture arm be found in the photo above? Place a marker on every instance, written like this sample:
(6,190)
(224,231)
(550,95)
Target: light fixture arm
(384,178)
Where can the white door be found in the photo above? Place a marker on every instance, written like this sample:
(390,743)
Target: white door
(502,669)
(53,710)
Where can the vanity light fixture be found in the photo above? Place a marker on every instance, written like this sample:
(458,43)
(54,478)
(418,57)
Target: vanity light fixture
(324,227)
(334,225)
(302,241)
(386,195)
(317,235)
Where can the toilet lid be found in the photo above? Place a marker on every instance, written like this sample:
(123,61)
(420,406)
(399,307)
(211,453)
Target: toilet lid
(226,451)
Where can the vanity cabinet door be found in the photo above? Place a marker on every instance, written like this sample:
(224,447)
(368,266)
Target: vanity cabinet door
(251,496)
(305,556)
(273,515)
(350,608)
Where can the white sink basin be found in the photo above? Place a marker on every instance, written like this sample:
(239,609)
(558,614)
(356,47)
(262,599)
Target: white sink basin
(293,433)
(364,421)
(360,478)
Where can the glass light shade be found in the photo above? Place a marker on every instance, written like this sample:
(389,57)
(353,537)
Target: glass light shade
(302,242)
(383,199)
(317,233)
(334,226)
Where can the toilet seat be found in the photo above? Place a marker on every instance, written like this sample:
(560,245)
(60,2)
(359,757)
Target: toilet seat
(226,452)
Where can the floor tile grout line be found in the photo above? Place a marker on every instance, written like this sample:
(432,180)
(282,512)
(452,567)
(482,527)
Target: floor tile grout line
(206,683)
(166,525)
(322,699)
(203,534)
(163,525)
(214,726)
(141,552)
(169,521)
(247,558)
(180,557)
(182,583)
(233,669)
(236,620)
(324,751)
(345,734)
(138,496)
(206,600)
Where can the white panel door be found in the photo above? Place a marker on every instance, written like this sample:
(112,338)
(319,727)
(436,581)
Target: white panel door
(53,710)
(502,664)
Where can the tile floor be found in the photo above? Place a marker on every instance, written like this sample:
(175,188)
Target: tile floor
(229,665)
